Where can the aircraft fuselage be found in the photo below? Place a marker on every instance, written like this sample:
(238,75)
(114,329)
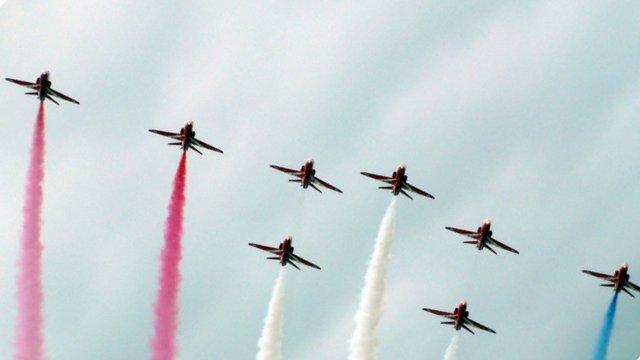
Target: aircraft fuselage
(307,173)
(287,249)
(621,277)
(460,312)
(43,85)
(189,134)
(485,234)
(400,179)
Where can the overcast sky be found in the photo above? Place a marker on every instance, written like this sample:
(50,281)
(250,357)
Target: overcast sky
(523,112)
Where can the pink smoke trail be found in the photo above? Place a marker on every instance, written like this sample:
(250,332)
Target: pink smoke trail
(29,338)
(163,344)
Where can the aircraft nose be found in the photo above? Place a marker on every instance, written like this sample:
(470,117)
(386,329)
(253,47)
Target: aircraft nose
(625,266)
(402,166)
(487,221)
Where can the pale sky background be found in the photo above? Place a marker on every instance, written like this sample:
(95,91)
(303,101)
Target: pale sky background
(525,112)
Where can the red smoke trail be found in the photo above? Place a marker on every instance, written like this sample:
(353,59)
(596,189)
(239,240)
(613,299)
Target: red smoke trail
(163,344)
(29,339)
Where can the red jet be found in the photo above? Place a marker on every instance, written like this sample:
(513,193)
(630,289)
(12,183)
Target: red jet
(43,89)
(306,176)
(186,139)
(482,237)
(285,254)
(459,318)
(619,280)
(397,183)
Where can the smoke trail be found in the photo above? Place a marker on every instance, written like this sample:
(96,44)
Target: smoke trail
(163,344)
(363,341)
(29,338)
(271,338)
(600,352)
(452,350)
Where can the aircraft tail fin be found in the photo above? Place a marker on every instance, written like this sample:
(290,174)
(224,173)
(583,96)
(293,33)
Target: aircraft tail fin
(50,98)
(466,328)
(405,194)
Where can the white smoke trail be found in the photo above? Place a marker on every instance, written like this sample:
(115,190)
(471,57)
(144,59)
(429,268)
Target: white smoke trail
(271,338)
(364,342)
(452,350)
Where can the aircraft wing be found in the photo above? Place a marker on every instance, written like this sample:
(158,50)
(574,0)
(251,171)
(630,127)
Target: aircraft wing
(461,231)
(446,314)
(28,84)
(285,170)
(327,185)
(172,135)
(303,261)
(206,146)
(420,192)
(266,248)
(478,325)
(597,274)
(63,96)
(503,246)
(634,286)
(377,177)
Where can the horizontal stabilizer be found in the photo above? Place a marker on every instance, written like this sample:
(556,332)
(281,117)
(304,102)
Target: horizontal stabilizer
(448,322)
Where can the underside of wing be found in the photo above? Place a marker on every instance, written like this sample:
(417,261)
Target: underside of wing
(265,248)
(503,246)
(376,176)
(419,192)
(303,261)
(63,96)
(206,146)
(461,231)
(28,84)
(169,134)
(327,185)
(285,170)
(633,286)
(598,275)
(478,325)
(439,312)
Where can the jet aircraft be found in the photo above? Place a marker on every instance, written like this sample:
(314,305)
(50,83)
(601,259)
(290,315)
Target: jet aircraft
(306,176)
(618,281)
(284,254)
(459,318)
(482,237)
(186,139)
(397,183)
(42,89)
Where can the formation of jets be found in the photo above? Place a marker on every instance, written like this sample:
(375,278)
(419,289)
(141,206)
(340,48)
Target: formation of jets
(397,183)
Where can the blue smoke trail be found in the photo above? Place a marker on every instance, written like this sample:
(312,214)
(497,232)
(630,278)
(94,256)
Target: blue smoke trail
(600,352)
